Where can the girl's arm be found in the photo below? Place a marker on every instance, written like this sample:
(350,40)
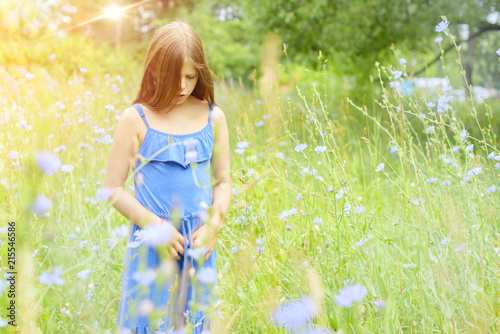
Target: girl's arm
(207,234)
(122,157)
(222,191)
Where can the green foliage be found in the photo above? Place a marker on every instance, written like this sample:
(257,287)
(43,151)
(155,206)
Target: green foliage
(354,34)
(228,46)
(70,54)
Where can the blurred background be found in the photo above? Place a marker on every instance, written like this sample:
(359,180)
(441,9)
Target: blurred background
(350,36)
(292,77)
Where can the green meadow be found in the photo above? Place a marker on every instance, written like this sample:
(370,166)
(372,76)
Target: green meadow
(381,210)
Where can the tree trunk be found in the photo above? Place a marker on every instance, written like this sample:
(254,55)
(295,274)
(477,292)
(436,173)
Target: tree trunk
(469,60)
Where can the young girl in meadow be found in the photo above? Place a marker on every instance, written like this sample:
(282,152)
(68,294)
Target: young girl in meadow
(173,137)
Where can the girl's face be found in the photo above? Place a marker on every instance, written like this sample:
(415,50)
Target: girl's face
(189,78)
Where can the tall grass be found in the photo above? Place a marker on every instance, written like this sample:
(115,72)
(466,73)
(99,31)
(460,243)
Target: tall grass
(427,251)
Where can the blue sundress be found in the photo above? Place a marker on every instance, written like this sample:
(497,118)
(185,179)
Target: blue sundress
(169,188)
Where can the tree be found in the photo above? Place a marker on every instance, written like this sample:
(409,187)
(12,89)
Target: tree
(355,33)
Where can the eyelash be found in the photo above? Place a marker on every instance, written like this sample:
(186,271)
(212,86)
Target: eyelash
(191,77)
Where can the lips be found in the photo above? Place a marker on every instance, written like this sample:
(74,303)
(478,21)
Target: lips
(181,96)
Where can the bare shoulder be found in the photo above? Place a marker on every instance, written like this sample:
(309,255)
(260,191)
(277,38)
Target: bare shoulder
(218,117)
(129,126)
(130,117)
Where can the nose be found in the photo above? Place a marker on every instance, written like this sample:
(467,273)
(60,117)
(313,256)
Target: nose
(183,83)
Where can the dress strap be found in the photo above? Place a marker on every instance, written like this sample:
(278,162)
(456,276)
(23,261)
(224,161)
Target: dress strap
(141,112)
(211,109)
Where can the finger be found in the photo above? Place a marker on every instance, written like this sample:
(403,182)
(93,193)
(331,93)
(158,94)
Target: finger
(179,248)
(174,254)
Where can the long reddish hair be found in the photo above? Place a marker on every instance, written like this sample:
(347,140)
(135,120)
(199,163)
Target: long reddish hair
(161,82)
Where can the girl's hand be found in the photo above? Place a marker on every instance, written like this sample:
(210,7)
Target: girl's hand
(207,234)
(176,245)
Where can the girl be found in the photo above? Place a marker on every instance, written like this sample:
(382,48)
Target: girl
(180,137)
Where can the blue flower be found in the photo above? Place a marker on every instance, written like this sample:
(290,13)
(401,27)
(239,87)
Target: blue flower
(402,61)
(430,129)
(347,208)
(67,169)
(191,143)
(350,294)
(469,148)
(294,314)
(430,104)
(443,101)
(260,248)
(102,194)
(397,74)
(317,220)
(320,149)
(359,209)
(491,189)
(52,278)
(446,183)
(455,149)
(258,241)
(122,231)
(84,274)
(240,151)
(466,179)
(379,304)
(283,214)
(191,157)
(299,197)
(234,249)
(438,40)
(459,248)
(197,253)
(431,180)
(280,155)
(442,26)
(393,149)
(416,201)
(445,241)
(463,135)
(41,204)
(475,171)
(207,275)
(498,52)
(379,167)
(155,235)
(361,242)
(48,162)
(300,147)
(242,144)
